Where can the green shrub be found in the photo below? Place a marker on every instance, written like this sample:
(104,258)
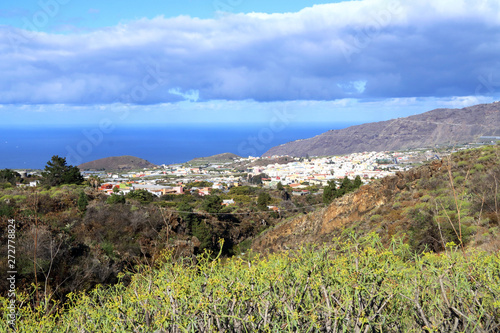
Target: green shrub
(19,197)
(485,158)
(6,210)
(425,198)
(479,167)
(143,196)
(357,285)
(4,186)
(107,247)
(115,199)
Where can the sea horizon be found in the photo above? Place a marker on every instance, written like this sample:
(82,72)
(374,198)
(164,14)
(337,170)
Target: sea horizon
(32,147)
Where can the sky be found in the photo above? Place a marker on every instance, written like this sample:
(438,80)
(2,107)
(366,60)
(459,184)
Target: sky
(69,62)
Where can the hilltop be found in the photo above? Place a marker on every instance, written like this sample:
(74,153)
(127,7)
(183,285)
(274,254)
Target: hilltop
(117,163)
(436,127)
(219,158)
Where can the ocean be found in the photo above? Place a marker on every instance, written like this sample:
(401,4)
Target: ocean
(32,148)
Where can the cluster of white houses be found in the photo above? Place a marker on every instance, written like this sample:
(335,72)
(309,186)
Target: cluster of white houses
(318,171)
(298,174)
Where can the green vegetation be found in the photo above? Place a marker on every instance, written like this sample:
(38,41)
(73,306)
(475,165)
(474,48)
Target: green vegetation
(9,176)
(142,196)
(372,284)
(212,204)
(331,191)
(82,202)
(57,172)
(263,200)
(242,190)
(115,199)
(356,286)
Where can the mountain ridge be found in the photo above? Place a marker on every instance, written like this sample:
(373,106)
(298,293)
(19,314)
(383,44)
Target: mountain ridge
(438,126)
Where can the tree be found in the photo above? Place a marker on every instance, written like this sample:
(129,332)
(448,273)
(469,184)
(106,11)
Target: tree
(9,176)
(212,204)
(94,181)
(357,182)
(57,172)
(115,199)
(279,186)
(143,196)
(346,186)
(263,200)
(257,179)
(285,195)
(202,231)
(82,202)
(330,192)
(186,213)
(241,190)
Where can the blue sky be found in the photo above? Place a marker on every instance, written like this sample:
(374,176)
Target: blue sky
(78,15)
(67,62)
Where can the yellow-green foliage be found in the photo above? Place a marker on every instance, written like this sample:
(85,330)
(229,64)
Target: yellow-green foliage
(357,285)
(19,197)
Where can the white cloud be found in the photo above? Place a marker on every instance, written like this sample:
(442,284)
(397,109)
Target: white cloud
(190,95)
(355,49)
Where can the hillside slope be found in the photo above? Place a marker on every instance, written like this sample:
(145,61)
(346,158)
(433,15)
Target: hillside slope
(117,163)
(219,158)
(440,126)
(419,203)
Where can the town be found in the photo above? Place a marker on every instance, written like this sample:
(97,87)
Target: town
(296,172)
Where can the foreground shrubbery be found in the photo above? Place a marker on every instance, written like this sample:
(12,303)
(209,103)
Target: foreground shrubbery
(356,286)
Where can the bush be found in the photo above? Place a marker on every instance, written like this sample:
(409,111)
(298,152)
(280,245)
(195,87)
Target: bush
(142,196)
(107,247)
(388,290)
(6,210)
(212,204)
(425,198)
(479,167)
(82,202)
(4,186)
(115,199)
(263,200)
(241,190)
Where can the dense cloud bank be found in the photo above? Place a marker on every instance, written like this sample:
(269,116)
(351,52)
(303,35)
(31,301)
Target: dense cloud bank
(360,49)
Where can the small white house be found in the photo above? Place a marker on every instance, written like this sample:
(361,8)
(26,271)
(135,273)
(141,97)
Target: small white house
(228,202)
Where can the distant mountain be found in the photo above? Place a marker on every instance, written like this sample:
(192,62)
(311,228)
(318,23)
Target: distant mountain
(440,126)
(117,163)
(219,158)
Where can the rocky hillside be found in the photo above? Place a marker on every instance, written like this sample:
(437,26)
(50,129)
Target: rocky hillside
(440,126)
(117,163)
(420,203)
